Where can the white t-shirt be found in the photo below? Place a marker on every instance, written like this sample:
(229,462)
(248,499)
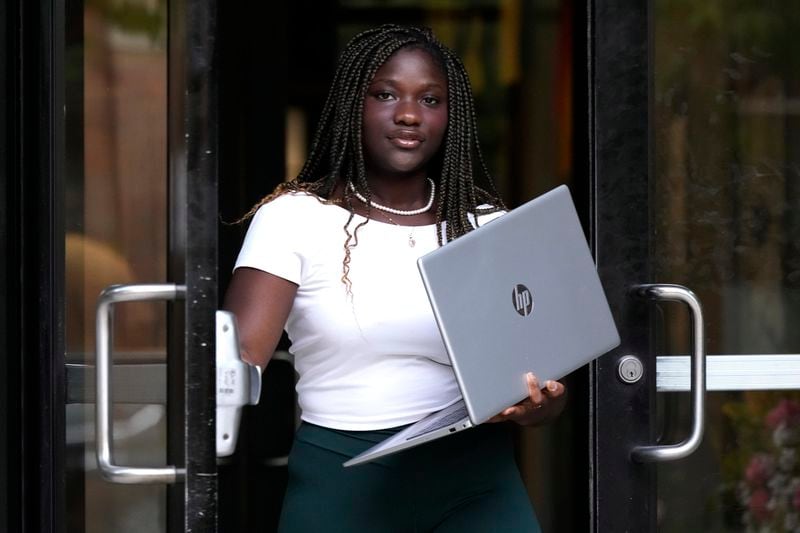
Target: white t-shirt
(368,361)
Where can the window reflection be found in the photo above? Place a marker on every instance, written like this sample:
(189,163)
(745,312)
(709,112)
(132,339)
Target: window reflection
(116,220)
(726,192)
(116,204)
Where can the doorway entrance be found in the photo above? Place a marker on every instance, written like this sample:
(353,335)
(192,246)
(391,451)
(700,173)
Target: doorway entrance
(695,144)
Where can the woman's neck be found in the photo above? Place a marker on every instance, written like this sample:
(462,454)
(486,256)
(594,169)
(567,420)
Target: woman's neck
(400,193)
(415,192)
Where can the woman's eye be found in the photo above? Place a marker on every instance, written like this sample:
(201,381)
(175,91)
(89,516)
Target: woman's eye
(383,96)
(430,100)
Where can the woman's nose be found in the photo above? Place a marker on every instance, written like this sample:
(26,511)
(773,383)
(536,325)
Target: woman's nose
(407,114)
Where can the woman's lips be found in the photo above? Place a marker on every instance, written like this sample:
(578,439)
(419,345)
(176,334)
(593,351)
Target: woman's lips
(406,139)
(404,143)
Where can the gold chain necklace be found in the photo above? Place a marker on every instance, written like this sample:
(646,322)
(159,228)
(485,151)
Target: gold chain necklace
(411,241)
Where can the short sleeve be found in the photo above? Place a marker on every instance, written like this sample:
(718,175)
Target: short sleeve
(272,243)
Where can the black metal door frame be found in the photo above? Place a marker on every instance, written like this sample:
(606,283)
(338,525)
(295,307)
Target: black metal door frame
(31,157)
(6,170)
(193,153)
(619,65)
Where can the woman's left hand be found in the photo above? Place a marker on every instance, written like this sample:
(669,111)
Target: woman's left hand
(541,405)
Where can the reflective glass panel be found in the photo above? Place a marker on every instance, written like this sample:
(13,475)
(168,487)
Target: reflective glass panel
(116,220)
(725,197)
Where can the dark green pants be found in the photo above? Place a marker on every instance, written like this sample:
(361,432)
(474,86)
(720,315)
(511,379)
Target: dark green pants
(462,483)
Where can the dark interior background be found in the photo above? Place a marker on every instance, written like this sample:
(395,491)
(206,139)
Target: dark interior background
(281,55)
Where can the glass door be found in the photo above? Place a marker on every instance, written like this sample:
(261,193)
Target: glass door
(139,216)
(697,184)
(116,232)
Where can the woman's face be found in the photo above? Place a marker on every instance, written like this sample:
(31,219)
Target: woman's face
(405,115)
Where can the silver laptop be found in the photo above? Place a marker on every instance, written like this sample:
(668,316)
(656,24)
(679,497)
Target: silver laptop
(519,294)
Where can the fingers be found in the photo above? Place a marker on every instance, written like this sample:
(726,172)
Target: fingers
(553,389)
(538,397)
(534,392)
(509,413)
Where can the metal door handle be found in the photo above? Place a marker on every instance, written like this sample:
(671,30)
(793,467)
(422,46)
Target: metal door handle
(104,428)
(238,383)
(671,452)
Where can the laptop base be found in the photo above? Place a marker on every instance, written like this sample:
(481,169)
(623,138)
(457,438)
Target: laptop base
(451,419)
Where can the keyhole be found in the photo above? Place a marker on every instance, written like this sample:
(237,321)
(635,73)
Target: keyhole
(629,369)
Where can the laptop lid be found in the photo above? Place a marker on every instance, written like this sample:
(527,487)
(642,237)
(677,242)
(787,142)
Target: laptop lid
(519,294)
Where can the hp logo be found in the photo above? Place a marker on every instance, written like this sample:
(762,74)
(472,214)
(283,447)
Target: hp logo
(522,300)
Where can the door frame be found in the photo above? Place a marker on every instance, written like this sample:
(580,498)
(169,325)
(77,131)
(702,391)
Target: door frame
(193,180)
(33,376)
(620,137)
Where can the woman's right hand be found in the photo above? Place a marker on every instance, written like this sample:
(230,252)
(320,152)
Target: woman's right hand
(542,404)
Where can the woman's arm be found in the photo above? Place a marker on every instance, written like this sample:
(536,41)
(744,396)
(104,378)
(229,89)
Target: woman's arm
(261,303)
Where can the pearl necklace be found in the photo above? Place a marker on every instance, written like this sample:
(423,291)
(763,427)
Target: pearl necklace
(392,210)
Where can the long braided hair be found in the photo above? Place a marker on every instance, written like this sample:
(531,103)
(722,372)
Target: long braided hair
(337,151)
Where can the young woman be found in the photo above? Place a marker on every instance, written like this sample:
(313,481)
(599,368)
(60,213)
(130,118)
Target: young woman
(331,258)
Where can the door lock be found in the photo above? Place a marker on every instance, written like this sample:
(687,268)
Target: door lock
(630,369)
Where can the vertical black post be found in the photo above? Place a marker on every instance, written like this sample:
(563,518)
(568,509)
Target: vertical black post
(201,265)
(193,250)
(34,237)
(623,498)
(177,133)
(43,273)
(9,447)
